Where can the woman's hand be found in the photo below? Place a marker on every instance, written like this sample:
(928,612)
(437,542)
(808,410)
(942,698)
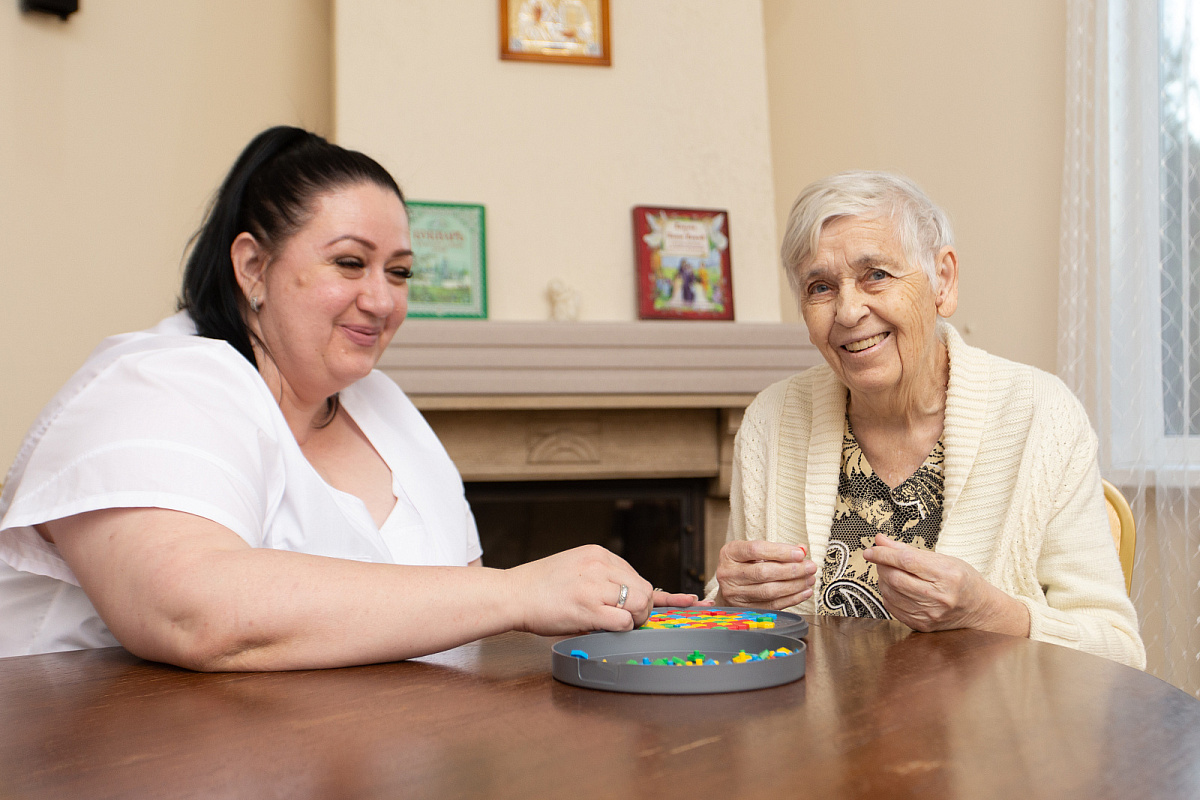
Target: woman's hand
(765,574)
(578,590)
(929,591)
(665,599)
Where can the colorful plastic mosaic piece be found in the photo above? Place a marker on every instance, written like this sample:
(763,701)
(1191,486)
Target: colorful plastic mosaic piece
(698,659)
(707,618)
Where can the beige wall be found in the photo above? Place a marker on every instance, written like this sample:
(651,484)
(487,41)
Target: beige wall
(966,98)
(559,154)
(115,128)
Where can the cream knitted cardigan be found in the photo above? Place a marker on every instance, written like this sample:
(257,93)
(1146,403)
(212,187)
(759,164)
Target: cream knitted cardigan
(1023,500)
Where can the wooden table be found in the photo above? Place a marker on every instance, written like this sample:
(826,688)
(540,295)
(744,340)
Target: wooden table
(882,713)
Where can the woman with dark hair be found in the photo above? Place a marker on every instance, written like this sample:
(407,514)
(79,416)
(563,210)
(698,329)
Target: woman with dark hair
(238,489)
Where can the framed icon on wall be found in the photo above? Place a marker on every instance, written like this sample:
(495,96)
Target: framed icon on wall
(683,264)
(560,31)
(449,243)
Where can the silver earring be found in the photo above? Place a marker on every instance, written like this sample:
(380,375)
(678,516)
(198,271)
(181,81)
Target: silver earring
(255,304)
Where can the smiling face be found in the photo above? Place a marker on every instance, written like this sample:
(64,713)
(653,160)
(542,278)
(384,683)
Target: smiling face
(334,294)
(872,314)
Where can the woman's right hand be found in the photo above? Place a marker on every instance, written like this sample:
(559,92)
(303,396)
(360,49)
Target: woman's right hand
(577,590)
(764,574)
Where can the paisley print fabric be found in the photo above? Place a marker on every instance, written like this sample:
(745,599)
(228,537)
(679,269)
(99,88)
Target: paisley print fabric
(910,513)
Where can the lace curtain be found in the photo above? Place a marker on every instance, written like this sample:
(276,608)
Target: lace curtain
(1129,291)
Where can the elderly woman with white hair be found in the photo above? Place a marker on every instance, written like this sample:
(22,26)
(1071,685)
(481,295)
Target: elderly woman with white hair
(929,481)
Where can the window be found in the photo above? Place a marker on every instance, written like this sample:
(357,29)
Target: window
(1179,220)
(1153,308)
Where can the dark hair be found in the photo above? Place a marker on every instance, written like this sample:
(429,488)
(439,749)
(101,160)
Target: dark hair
(269,193)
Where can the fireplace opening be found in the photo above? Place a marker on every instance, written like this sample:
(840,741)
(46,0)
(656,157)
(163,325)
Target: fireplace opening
(654,524)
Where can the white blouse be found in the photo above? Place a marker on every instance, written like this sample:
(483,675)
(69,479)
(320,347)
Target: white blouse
(166,419)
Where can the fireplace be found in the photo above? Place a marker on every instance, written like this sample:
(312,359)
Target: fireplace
(654,524)
(624,429)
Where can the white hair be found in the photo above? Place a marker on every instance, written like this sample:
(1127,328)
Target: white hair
(921,227)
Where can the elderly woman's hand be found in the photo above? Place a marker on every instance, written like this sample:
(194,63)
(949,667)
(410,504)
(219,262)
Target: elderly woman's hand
(765,574)
(930,591)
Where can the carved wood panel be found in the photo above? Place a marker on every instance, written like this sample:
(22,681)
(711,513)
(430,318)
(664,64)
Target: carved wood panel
(505,445)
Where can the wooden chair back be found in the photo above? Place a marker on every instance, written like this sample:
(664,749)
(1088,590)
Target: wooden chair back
(1124,532)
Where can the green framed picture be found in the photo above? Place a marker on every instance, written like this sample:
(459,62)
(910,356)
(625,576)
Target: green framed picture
(449,261)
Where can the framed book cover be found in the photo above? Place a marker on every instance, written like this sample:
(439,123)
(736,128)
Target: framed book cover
(449,245)
(683,265)
(559,31)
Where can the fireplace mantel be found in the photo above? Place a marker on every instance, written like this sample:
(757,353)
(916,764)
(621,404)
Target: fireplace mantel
(560,401)
(476,364)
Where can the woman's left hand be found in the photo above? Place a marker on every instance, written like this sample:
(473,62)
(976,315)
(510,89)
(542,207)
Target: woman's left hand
(930,591)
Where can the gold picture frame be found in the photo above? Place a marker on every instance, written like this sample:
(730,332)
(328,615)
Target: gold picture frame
(557,31)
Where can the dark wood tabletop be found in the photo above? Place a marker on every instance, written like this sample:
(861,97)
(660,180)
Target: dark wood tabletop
(882,713)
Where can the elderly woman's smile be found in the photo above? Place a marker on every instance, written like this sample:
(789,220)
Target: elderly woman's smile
(872,312)
(863,344)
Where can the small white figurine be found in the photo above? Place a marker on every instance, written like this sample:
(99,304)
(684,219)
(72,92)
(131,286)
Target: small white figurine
(564,301)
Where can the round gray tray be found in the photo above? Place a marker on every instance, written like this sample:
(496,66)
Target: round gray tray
(786,623)
(722,645)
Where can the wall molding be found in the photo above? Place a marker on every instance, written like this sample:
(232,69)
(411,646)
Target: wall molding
(482,364)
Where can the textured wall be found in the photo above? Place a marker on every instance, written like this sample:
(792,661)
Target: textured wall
(559,154)
(115,128)
(965,98)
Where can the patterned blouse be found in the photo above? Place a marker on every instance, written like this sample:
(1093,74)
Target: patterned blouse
(910,513)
